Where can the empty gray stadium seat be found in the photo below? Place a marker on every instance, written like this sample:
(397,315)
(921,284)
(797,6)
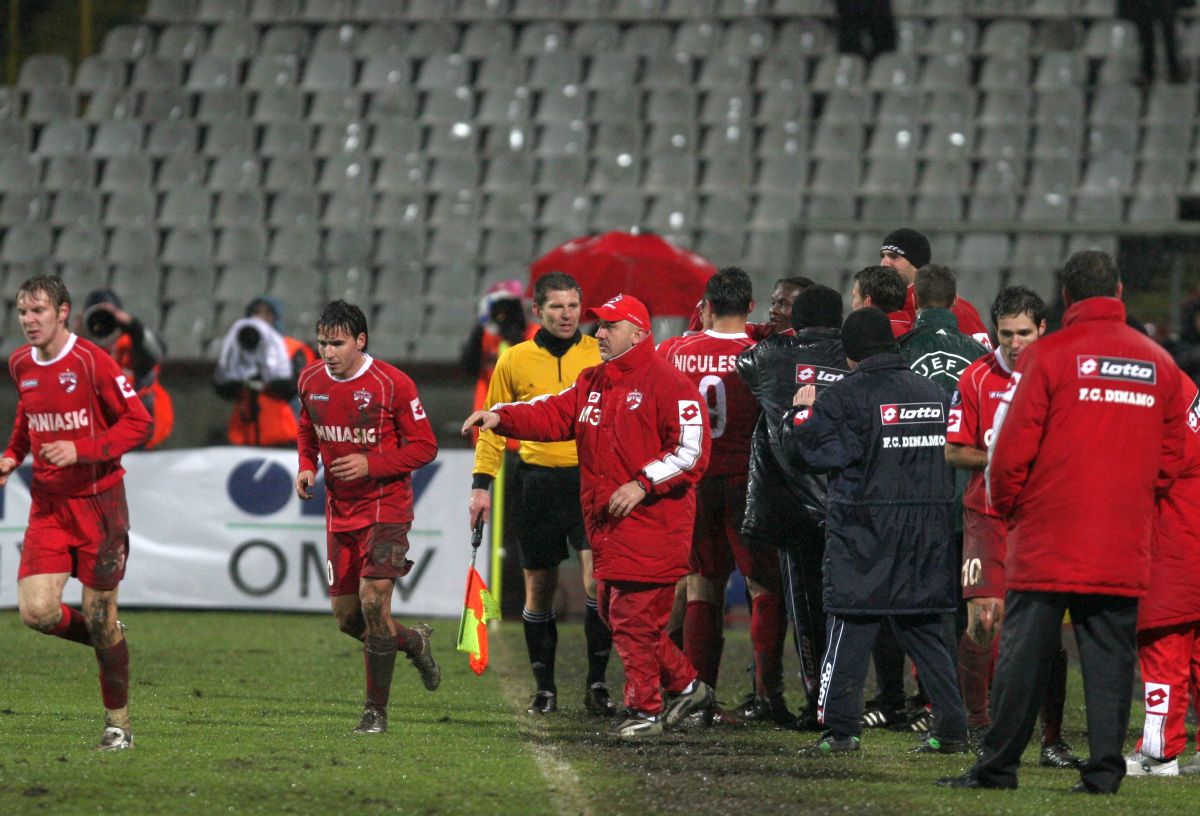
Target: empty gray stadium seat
(133,244)
(75,207)
(46,104)
(17,207)
(26,243)
(98,73)
(131,208)
(182,170)
(186,207)
(70,173)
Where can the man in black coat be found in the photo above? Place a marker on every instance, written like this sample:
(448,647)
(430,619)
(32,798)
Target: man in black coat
(785,504)
(889,556)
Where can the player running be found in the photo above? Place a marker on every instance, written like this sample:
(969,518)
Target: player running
(77,414)
(365,420)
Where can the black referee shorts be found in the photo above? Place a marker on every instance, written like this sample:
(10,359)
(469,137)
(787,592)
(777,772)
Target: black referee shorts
(548,516)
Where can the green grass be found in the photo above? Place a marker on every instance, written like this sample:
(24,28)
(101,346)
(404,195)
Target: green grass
(252,713)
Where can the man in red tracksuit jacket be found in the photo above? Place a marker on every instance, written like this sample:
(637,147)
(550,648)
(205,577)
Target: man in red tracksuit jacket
(1087,436)
(643,441)
(1169,616)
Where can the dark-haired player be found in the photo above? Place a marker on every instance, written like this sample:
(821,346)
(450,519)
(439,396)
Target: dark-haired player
(77,414)
(709,360)
(1019,316)
(365,420)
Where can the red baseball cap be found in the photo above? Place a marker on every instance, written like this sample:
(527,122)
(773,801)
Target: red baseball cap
(624,307)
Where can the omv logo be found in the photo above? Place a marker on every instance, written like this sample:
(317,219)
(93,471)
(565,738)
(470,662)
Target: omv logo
(262,487)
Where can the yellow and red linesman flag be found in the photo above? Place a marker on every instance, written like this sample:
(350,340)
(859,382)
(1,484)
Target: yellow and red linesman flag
(480,607)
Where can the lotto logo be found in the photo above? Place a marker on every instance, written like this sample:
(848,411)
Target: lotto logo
(1117,368)
(1158,698)
(809,374)
(908,413)
(689,413)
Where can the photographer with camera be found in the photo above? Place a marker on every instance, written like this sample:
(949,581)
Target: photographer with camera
(257,369)
(137,350)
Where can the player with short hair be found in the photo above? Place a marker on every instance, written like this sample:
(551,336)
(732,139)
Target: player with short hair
(883,288)
(77,413)
(365,421)
(708,360)
(1019,316)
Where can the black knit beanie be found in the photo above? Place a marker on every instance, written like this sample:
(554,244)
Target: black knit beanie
(909,244)
(867,331)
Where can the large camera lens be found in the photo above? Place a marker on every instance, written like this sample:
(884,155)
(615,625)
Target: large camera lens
(101,323)
(248,338)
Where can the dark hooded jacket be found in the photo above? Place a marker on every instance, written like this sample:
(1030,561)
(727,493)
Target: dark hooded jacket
(773,370)
(880,434)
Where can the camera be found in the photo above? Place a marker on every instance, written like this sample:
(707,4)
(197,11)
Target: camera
(101,324)
(248,338)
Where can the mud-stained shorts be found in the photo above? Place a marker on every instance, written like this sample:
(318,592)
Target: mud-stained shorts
(985,545)
(378,551)
(86,536)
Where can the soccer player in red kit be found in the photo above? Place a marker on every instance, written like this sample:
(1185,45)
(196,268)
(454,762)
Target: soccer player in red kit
(1019,316)
(364,419)
(708,359)
(77,414)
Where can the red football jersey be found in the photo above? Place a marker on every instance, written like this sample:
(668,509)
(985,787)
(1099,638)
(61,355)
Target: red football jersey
(709,360)
(972,412)
(81,395)
(376,413)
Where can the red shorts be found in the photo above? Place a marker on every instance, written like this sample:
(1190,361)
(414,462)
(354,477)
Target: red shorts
(717,546)
(369,552)
(985,545)
(86,536)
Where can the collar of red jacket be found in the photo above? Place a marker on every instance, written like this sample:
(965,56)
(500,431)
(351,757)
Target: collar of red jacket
(1095,308)
(636,357)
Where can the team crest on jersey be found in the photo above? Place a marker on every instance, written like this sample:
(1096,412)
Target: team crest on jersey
(1193,414)
(633,399)
(68,380)
(362,398)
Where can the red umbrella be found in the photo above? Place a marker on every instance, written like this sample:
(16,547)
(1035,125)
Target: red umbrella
(669,280)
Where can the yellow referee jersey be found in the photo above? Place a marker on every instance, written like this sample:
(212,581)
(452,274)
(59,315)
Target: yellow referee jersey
(525,371)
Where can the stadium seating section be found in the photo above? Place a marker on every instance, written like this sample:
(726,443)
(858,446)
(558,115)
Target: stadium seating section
(405,154)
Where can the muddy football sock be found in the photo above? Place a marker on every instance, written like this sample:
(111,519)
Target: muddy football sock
(379,656)
(114,674)
(72,626)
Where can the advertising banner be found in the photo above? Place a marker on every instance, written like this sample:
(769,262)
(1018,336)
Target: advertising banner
(222,528)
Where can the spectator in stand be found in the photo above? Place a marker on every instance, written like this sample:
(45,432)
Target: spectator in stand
(1090,435)
(138,351)
(883,288)
(1146,15)
(865,27)
(906,251)
(258,369)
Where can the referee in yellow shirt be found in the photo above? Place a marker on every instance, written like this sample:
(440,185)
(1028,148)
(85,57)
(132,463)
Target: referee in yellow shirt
(547,516)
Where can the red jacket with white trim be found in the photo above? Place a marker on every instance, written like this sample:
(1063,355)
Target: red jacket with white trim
(1175,551)
(632,418)
(1090,433)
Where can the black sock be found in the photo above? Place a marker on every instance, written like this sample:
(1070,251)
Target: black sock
(541,638)
(599,643)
